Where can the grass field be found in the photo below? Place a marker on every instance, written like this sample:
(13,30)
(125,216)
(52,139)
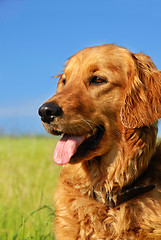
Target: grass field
(28,179)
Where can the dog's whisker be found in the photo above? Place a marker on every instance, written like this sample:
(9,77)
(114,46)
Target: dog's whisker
(74,130)
(88,124)
(95,124)
(82,126)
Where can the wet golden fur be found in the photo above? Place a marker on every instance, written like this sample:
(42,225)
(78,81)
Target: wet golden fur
(128,105)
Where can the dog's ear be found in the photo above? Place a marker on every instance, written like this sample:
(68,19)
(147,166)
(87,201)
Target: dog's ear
(142,100)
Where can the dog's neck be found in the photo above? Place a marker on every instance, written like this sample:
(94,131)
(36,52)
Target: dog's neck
(125,162)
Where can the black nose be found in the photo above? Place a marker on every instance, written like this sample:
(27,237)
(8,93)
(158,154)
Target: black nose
(49,111)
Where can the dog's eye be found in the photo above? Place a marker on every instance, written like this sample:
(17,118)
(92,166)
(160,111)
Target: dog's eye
(64,81)
(97,80)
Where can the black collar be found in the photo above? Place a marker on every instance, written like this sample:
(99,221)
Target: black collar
(125,195)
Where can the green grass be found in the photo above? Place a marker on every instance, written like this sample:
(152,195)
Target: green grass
(28,179)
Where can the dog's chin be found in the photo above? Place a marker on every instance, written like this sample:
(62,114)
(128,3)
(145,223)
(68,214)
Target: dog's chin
(89,147)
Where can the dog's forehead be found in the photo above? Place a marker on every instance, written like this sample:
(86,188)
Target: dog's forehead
(96,58)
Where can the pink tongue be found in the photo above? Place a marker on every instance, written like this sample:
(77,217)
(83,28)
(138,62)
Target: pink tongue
(66,148)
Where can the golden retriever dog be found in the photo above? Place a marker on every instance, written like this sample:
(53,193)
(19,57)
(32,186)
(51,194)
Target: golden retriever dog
(106,108)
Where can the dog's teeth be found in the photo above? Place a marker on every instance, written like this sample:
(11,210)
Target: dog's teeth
(88,135)
(92,133)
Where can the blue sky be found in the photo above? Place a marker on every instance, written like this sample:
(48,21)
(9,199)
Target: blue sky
(37,37)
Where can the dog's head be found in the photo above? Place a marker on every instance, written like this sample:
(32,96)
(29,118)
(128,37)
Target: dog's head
(101,91)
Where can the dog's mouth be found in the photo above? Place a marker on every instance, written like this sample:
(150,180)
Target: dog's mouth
(71,146)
